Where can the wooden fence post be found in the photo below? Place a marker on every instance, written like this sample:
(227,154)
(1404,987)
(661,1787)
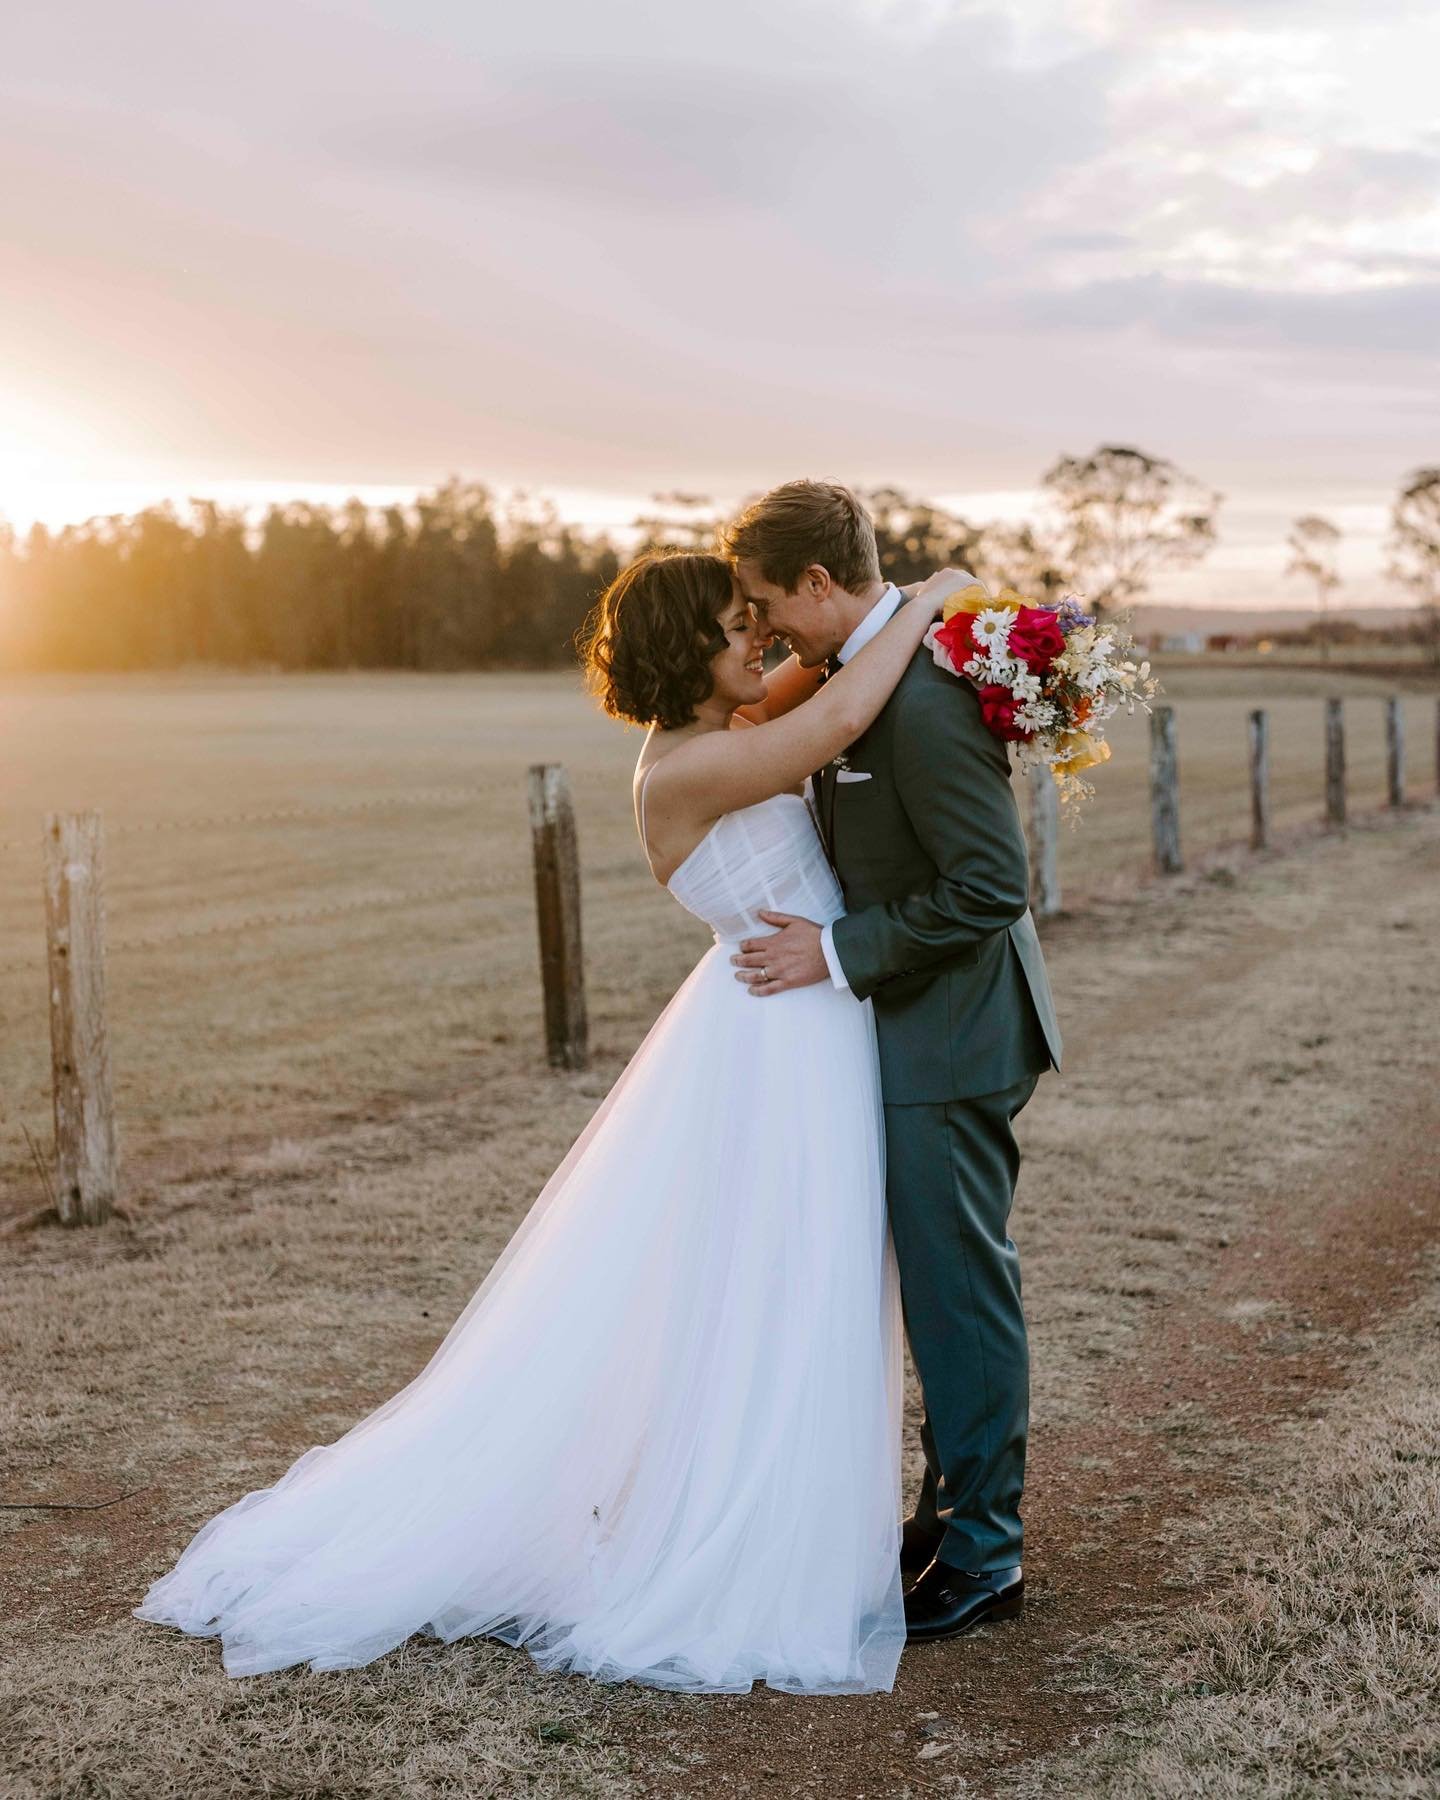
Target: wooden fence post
(1334,762)
(85,1158)
(1044,843)
(1394,751)
(1165,791)
(557,902)
(1259,780)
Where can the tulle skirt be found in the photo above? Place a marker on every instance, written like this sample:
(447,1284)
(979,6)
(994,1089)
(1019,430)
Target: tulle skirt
(661,1444)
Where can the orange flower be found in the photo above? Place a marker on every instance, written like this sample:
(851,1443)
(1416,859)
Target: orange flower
(1082,752)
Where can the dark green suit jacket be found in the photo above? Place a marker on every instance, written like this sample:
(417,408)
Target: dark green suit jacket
(937,928)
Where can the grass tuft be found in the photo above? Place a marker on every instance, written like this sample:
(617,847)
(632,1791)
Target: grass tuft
(1314,1671)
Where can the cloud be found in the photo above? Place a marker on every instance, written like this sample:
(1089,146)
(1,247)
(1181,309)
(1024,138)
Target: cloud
(1207,14)
(1065,242)
(875,149)
(647,140)
(1377,322)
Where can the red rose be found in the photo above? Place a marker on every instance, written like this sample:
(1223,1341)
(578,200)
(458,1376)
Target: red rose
(997,709)
(957,639)
(1036,638)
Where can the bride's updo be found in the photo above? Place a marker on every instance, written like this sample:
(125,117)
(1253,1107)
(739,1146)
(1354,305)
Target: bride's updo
(647,646)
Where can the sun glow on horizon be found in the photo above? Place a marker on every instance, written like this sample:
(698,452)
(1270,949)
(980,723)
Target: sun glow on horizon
(1244,570)
(35,492)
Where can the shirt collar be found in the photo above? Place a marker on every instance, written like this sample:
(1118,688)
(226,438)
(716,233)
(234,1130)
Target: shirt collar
(879,616)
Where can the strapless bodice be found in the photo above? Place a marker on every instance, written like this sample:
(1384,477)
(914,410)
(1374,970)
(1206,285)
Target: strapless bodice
(764,856)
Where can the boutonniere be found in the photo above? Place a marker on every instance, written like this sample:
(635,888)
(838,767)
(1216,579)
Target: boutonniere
(842,761)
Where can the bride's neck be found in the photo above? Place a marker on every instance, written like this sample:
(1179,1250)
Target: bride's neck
(711,715)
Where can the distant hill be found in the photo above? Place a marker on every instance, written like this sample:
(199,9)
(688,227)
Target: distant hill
(1159,621)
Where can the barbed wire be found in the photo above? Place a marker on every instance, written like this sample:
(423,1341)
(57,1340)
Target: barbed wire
(301,915)
(342,809)
(293,915)
(475,887)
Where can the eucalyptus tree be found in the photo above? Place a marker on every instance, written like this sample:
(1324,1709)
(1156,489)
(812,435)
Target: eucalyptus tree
(1314,545)
(1123,516)
(1414,547)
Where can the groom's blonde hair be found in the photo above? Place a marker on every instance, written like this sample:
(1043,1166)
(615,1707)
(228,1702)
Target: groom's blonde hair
(805,522)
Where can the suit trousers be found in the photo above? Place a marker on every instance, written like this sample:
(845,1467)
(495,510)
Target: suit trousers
(950,1180)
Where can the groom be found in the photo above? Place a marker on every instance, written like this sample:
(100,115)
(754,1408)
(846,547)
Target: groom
(921,824)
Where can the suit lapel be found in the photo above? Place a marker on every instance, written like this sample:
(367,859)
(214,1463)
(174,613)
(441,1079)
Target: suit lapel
(822,784)
(825,784)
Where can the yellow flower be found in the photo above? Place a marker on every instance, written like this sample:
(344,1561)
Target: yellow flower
(1082,752)
(974,599)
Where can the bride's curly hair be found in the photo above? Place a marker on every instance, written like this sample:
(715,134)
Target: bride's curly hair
(647,645)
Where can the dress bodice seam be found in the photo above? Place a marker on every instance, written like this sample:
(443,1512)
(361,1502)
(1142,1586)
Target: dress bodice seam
(700,845)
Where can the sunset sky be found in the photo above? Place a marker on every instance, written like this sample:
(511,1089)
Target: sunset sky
(599,249)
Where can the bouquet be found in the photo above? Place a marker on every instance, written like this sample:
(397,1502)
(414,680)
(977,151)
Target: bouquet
(1048,677)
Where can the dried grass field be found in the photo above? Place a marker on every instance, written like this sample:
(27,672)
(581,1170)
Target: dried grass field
(333,1109)
(318,889)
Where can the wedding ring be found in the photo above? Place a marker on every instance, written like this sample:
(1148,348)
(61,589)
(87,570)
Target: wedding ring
(764,973)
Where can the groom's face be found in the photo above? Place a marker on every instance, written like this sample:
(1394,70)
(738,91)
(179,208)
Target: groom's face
(802,619)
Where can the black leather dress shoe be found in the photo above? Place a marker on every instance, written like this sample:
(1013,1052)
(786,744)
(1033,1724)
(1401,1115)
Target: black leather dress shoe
(917,1549)
(946,1601)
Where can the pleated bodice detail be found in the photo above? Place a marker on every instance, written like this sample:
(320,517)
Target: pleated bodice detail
(768,856)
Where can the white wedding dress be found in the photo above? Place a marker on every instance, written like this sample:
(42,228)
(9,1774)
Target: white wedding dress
(661,1444)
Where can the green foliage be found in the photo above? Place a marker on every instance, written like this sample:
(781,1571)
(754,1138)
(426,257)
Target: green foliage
(445,583)
(1414,546)
(449,582)
(916,538)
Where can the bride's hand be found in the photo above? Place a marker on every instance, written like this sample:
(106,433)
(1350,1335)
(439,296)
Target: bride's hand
(944,583)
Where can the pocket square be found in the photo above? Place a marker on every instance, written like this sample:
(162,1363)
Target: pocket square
(851,775)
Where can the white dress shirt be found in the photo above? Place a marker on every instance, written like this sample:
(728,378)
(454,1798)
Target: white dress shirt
(879,616)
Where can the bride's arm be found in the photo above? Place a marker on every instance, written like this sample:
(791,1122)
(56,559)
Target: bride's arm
(791,684)
(785,689)
(724,770)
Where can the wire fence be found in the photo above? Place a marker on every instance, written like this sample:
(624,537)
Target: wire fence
(280,815)
(462,847)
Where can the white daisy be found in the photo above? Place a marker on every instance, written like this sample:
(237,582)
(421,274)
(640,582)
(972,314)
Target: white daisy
(1035,715)
(991,629)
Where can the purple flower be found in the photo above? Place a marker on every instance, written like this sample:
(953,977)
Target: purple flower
(1072,615)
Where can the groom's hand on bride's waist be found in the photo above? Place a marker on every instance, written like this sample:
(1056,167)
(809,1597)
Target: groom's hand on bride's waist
(790,957)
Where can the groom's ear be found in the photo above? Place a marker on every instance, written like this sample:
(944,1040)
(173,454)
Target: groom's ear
(816,583)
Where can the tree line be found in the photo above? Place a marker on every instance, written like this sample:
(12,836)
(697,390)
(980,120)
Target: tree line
(448,582)
(454,580)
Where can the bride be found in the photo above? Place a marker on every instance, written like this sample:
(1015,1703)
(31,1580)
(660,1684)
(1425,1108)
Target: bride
(661,1443)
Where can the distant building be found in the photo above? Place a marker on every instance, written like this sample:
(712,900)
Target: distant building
(1224,640)
(1183,643)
